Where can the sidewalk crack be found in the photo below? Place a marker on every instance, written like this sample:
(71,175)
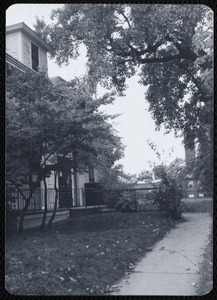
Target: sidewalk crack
(185,256)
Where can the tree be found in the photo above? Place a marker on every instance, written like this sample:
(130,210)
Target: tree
(43,120)
(171,46)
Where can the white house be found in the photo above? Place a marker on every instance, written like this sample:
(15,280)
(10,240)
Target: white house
(26,46)
(25,49)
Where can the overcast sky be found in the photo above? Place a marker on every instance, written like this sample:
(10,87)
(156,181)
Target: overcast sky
(135,124)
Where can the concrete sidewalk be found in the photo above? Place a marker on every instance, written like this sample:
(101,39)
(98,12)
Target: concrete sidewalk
(171,268)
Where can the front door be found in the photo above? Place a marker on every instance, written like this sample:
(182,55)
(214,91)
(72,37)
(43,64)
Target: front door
(65,189)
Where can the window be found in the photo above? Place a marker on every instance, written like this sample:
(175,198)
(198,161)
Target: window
(33,181)
(190,184)
(91,174)
(35,59)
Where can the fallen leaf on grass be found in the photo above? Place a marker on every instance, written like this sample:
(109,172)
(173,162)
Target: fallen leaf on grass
(43,272)
(73,279)
(101,253)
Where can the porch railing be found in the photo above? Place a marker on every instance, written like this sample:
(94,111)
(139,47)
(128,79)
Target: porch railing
(17,201)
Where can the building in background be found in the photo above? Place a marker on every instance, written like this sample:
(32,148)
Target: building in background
(191,183)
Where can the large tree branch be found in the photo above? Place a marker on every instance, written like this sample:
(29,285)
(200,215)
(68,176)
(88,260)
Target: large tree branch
(184,53)
(126,19)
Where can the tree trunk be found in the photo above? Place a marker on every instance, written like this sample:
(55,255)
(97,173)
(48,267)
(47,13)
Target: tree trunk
(55,203)
(27,202)
(23,213)
(45,205)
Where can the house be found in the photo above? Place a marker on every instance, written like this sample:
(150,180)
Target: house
(25,49)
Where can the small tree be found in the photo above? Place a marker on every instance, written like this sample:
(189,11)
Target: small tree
(169,192)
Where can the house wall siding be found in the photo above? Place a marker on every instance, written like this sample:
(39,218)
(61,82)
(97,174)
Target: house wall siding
(26,51)
(96,175)
(13,42)
(26,54)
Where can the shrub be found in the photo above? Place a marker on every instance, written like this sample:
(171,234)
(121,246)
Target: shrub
(128,202)
(168,195)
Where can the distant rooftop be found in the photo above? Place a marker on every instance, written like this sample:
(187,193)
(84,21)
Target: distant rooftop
(30,33)
(57,80)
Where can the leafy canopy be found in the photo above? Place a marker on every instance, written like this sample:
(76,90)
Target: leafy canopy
(171,46)
(45,120)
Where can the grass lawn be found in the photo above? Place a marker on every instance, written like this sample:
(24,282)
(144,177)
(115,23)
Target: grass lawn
(84,256)
(199,205)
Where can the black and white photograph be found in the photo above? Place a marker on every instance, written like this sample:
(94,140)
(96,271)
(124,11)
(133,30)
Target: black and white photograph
(109,149)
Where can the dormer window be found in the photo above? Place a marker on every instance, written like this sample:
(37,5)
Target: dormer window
(35,57)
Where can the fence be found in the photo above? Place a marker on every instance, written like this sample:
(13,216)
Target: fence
(16,200)
(80,198)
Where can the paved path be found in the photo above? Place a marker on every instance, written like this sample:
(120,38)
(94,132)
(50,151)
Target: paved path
(172,267)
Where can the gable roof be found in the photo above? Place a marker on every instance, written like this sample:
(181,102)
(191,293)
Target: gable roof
(31,34)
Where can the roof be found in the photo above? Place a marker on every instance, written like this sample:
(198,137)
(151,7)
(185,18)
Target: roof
(30,33)
(16,63)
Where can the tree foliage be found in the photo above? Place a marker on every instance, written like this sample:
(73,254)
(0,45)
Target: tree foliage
(169,192)
(44,120)
(171,46)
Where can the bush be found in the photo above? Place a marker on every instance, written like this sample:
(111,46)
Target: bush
(111,197)
(168,196)
(128,202)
